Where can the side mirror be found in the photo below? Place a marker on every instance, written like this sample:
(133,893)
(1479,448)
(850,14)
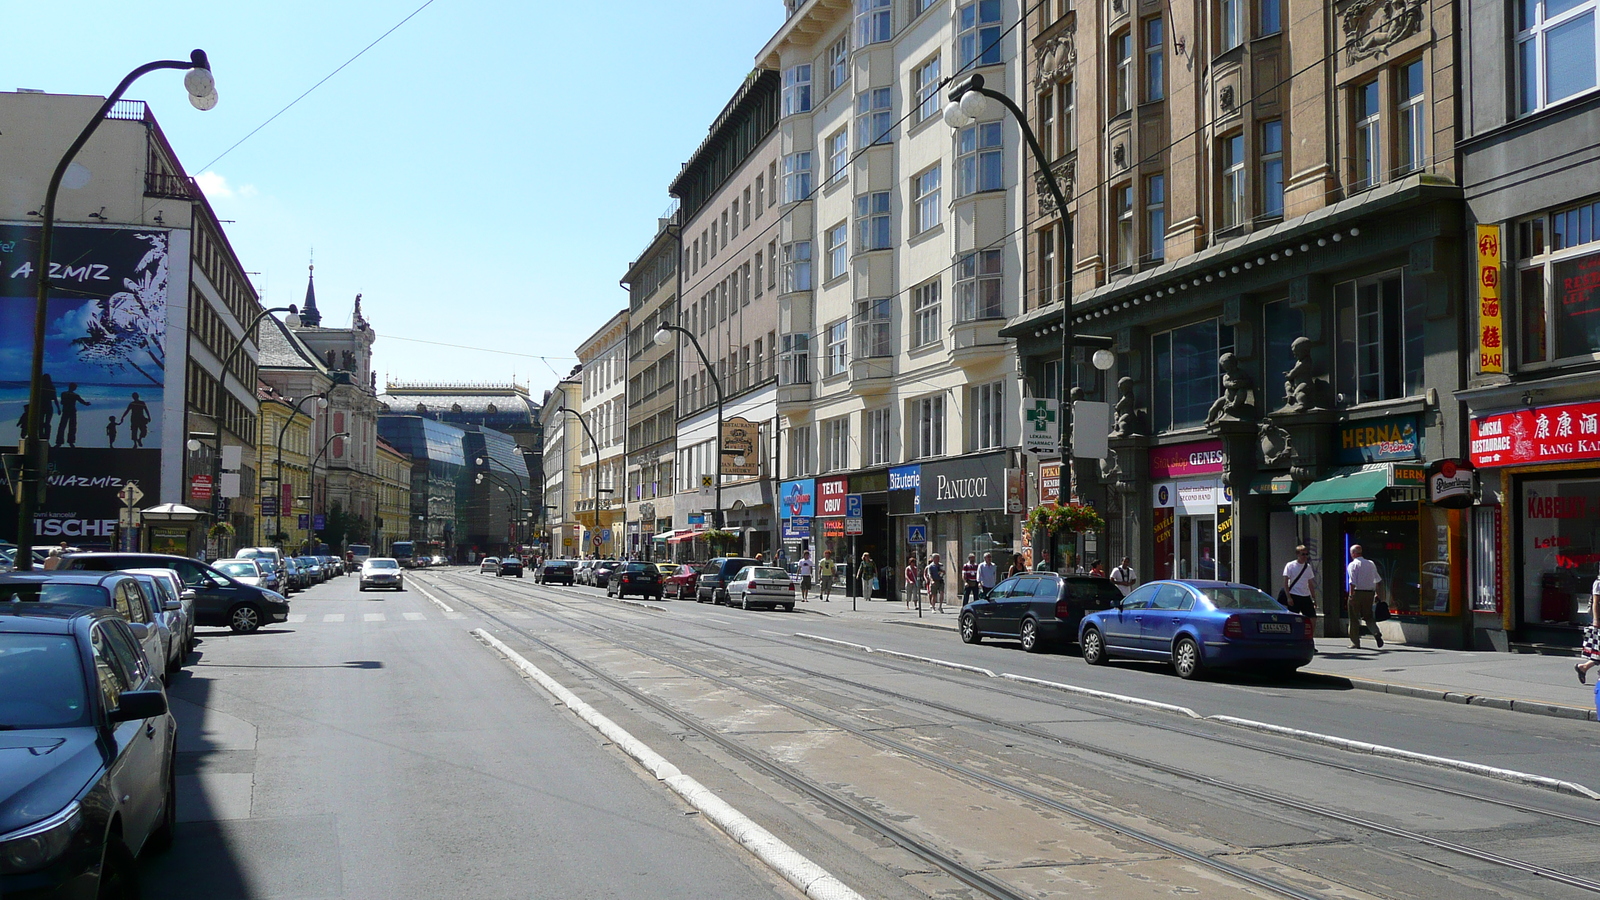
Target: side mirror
(140,630)
(208,583)
(172,606)
(139,705)
(188,594)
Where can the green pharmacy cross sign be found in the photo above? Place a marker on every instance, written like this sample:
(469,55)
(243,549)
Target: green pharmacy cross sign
(1042,416)
(1040,429)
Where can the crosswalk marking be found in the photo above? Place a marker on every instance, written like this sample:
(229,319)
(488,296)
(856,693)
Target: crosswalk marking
(415,617)
(373,617)
(296,617)
(333,617)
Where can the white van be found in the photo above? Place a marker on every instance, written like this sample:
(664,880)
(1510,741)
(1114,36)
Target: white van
(272,553)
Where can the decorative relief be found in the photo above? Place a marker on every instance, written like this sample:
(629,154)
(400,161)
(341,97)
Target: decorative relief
(1371,26)
(1128,418)
(1119,156)
(1056,59)
(1275,447)
(1304,387)
(1226,98)
(1064,171)
(1118,7)
(1238,400)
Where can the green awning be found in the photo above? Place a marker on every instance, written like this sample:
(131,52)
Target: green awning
(1353,493)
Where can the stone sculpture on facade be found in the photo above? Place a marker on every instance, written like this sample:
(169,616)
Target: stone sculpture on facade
(1304,388)
(1238,400)
(1275,448)
(1127,418)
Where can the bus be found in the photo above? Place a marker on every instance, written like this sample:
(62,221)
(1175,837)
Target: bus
(402,551)
(360,552)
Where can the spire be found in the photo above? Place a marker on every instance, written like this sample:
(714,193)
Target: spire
(309,316)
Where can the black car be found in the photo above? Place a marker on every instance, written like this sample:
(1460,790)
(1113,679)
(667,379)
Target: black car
(640,578)
(218,599)
(1041,609)
(555,571)
(510,565)
(714,577)
(87,782)
(600,575)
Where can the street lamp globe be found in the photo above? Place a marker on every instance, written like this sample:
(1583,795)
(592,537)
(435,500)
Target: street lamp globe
(1104,360)
(955,116)
(200,84)
(663,336)
(974,104)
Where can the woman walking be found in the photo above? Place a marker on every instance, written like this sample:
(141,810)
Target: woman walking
(868,574)
(1591,636)
(913,583)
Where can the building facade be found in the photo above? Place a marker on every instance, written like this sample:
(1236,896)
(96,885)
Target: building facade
(652,282)
(393,522)
(439,473)
(563,531)
(601,450)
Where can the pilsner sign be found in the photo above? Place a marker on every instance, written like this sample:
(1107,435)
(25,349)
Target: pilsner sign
(1491,355)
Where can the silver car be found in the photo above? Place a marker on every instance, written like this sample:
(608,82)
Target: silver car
(164,590)
(382,572)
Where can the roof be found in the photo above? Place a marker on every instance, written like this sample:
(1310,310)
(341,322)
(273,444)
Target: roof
(283,349)
(46,618)
(67,577)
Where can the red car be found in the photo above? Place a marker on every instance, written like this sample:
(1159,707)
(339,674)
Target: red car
(682,583)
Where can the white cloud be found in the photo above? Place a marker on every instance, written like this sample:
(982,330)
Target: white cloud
(216,187)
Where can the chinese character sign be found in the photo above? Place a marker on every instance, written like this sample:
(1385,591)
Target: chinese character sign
(1491,353)
(1548,434)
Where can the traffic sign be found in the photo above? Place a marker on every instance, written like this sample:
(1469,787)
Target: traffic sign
(319,522)
(303,522)
(605,535)
(852,525)
(852,506)
(269,506)
(916,534)
(130,493)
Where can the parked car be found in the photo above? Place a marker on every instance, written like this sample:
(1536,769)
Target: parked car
(582,572)
(681,583)
(640,578)
(600,575)
(767,586)
(667,569)
(293,578)
(382,572)
(489,566)
(712,584)
(90,782)
(1197,625)
(313,569)
(555,571)
(509,565)
(1040,609)
(272,553)
(166,611)
(249,571)
(119,592)
(175,590)
(218,600)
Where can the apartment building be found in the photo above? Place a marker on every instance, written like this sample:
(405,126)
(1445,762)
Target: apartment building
(558,419)
(730,210)
(602,441)
(652,284)
(900,266)
(1263,213)
(393,522)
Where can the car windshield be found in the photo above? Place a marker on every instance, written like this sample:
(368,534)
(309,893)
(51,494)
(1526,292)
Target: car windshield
(238,569)
(44,682)
(766,572)
(1239,598)
(382,564)
(513,560)
(56,592)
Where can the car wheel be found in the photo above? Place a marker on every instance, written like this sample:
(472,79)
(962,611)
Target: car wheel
(1094,647)
(746,601)
(788,607)
(519,574)
(118,879)
(725,598)
(1186,657)
(969,629)
(244,618)
(1031,642)
(161,838)
(362,588)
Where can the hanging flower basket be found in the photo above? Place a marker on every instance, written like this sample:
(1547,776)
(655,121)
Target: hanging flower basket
(1055,519)
(220,530)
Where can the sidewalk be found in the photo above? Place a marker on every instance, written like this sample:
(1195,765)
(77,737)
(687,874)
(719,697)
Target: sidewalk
(1523,682)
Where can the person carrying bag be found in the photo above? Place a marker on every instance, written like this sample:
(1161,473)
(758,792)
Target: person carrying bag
(1299,584)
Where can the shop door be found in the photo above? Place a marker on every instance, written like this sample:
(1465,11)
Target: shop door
(1197,546)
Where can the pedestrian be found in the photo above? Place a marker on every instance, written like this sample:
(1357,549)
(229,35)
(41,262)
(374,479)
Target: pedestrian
(805,575)
(935,583)
(988,575)
(1363,579)
(1017,568)
(52,560)
(1122,576)
(969,580)
(1096,570)
(826,570)
(1300,583)
(868,575)
(760,560)
(1591,635)
(913,582)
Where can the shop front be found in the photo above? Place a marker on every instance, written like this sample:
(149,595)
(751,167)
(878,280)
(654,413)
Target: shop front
(971,507)
(797,503)
(1191,511)
(872,486)
(828,531)
(908,527)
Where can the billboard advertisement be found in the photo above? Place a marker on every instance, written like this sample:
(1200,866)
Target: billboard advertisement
(104,369)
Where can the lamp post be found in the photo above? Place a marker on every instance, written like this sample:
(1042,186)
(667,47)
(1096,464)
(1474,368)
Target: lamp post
(33,447)
(277,481)
(312,478)
(515,496)
(663,335)
(596,446)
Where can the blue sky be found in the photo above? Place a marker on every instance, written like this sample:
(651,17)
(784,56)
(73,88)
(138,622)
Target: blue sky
(483,176)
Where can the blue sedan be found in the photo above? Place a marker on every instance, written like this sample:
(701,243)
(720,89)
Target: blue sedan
(1197,625)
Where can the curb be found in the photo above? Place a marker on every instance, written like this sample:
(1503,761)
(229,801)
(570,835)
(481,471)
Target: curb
(1533,707)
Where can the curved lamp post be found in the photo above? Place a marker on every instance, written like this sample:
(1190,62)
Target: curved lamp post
(597,489)
(202,90)
(514,497)
(312,487)
(322,403)
(663,335)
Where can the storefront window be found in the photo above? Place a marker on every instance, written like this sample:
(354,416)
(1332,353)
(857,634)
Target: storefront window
(1560,548)
(1389,539)
(1380,321)
(1185,383)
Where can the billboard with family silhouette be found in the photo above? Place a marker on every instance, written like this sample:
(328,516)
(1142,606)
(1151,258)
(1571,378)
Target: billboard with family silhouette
(104,369)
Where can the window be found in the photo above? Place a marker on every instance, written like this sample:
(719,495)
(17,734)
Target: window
(1122,78)
(1122,208)
(1185,368)
(927,426)
(875,452)
(978,33)
(1558,284)
(838,155)
(836,444)
(772,182)
(925,314)
(797,266)
(872,328)
(759,282)
(838,238)
(796,177)
(1272,168)
(839,63)
(772,264)
(1556,51)
(1281,324)
(872,221)
(797,89)
(760,188)
(744,289)
(874,116)
(747,207)
(1155,216)
(802,451)
(837,347)
(1366,136)
(1271,16)
(1380,325)
(986,412)
(794,359)
(1047,266)
(1232,165)
(1412,136)
(926,78)
(1047,122)
(978,159)
(925,190)
(1066,117)
(1228,32)
(1155,72)
(873,22)
(978,286)
(921,6)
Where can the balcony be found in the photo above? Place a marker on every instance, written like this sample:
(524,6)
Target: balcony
(976,342)
(793,396)
(873,375)
(167,185)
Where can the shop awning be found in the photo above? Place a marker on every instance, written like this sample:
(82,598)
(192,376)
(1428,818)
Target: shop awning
(686,534)
(1354,492)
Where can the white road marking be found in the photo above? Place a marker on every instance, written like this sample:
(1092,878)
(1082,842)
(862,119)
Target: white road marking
(414,617)
(452,614)
(373,617)
(799,871)
(437,602)
(333,617)
(296,617)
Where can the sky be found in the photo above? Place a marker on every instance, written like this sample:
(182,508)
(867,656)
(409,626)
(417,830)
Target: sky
(483,176)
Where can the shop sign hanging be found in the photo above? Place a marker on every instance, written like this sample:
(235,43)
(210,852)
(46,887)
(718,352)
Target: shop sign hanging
(740,437)
(905,490)
(1179,461)
(1041,430)
(1049,482)
(1548,434)
(1491,355)
(967,483)
(833,528)
(830,497)
(799,498)
(1380,440)
(1450,483)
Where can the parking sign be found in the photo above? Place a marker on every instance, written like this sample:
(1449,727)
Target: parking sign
(852,506)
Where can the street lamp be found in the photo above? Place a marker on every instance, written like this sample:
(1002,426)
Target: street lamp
(312,486)
(277,482)
(663,335)
(202,90)
(515,497)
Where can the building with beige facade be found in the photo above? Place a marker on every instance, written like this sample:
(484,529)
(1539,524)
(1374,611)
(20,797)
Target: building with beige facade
(563,436)
(601,451)
(394,498)
(652,369)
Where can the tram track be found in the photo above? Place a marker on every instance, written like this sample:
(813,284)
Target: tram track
(933,855)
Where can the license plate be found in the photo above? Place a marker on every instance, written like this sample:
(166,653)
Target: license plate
(1274,628)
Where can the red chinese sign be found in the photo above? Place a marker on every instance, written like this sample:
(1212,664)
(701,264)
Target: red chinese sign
(1548,434)
(1491,330)
(830,496)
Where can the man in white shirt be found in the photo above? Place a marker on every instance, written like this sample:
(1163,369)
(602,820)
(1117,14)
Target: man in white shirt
(805,575)
(1122,576)
(1363,579)
(1300,583)
(988,575)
